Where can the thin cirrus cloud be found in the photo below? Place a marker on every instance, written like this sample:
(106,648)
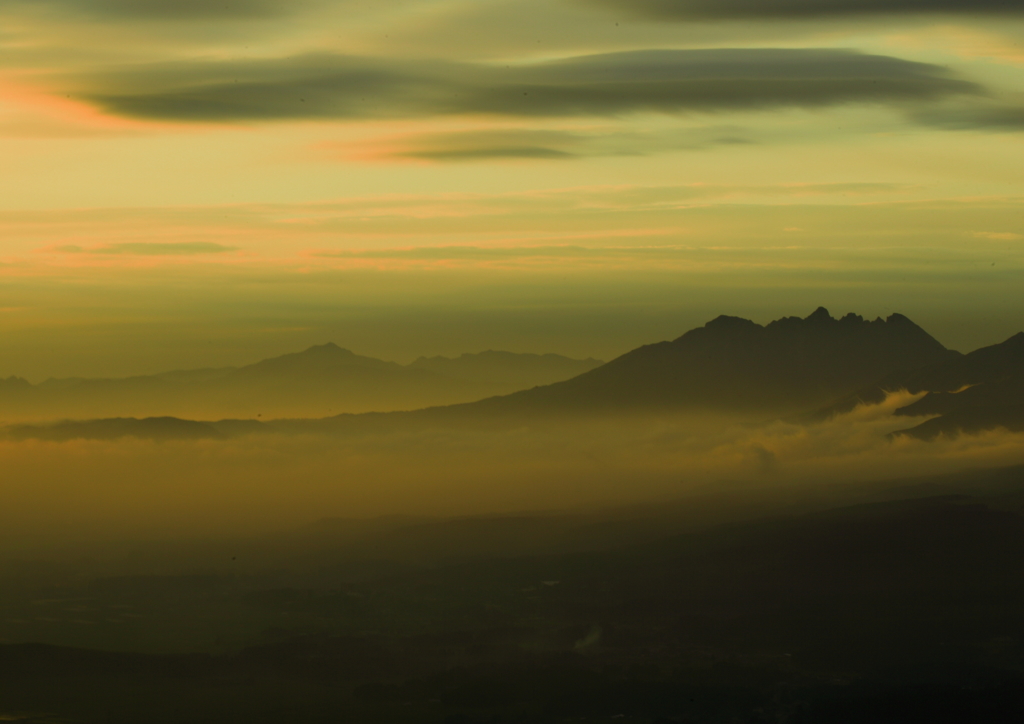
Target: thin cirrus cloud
(796,9)
(146,249)
(490,144)
(522,143)
(478,253)
(669,81)
(163,10)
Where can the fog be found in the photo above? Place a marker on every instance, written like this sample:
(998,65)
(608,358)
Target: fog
(59,493)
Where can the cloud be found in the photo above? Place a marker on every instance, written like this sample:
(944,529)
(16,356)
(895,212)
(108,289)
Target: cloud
(973,118)
(521,143)
(667,81)
(452,253)
(491,144)
(487,152)
(163,10)
(147,249)
(796,9)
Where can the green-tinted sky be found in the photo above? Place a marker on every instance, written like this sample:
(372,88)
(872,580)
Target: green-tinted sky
(190,183)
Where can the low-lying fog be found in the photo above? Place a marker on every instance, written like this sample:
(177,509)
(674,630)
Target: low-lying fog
(55,493)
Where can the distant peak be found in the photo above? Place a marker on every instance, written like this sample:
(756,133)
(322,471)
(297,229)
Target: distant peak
(819,315)
(722,326)
(724,321)
(328,347)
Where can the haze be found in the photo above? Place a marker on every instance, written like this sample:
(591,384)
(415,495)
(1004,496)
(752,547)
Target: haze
(493,361)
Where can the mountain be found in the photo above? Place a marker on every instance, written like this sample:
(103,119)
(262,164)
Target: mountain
(737,365)
(520,371)
(970,420)
(150,428)
(322,380)
(729,365)
(979,391)
(15,387)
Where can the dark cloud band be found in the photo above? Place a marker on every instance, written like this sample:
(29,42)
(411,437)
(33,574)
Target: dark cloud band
(974,118)
(611,84)
(795,9)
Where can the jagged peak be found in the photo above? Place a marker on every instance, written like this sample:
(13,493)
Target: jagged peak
(720,325)
(907,328)
(819,315)
(820,321)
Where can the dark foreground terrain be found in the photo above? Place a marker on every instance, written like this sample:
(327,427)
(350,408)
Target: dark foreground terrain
(909,608)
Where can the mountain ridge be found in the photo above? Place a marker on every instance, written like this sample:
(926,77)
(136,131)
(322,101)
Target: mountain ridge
(731,365)
(320,380)
(735,363)
(978,391)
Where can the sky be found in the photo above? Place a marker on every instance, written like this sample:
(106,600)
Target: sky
(189,183)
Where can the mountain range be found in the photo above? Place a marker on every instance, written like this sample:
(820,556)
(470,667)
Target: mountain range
(734,364)
(319,381)
(730,365)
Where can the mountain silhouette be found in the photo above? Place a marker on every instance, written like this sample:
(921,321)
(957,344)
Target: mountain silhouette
(318,359)
(970,420)
(729,365)
(981,391)
(150,428)
(971,393)
(322,380)
(737,365)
